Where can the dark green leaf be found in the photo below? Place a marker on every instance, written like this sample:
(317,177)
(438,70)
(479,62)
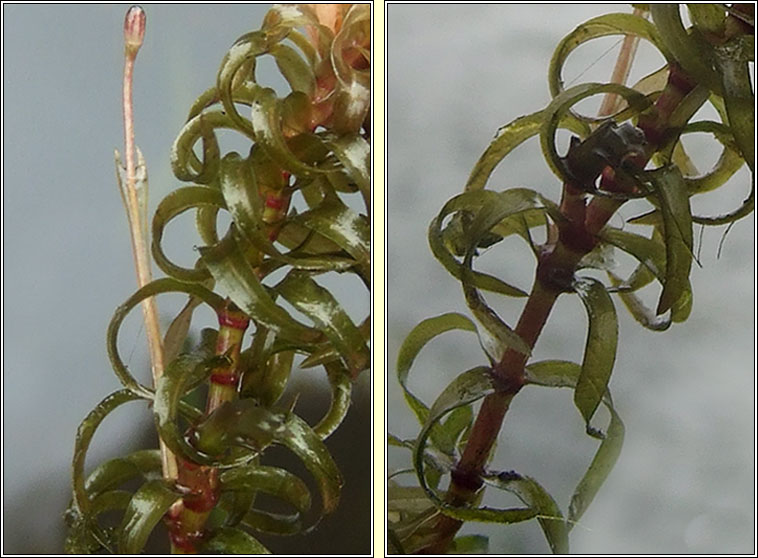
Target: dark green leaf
(600,348)
(234,274)
(677,227)
(229,540)
(146,508)
(319,305)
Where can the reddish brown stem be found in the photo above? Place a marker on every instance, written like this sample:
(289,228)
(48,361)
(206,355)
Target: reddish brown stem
(186,519)
(555,270)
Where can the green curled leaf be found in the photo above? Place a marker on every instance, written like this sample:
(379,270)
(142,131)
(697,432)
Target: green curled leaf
(242,423)
(342,388)
(239,186)
(690,50)
(599,349)
(729,162)
(298,73)
(181,376)
(319,305)
(537,498)
(468,387)
(229,540)
(113,473)
(266,372)
(85,432)
(739,101)
(470,544)
(508,138)
(234,274)
(354,153)
(651,253)
(644,315)
(559,373)
(266,123)
(146,508)
(601,26)
(346,228)
(498,336)
(677,228)
(158,286)
(412,345)
(239,60)
(561,105)
(280,484)
(182,155)
(468,201)
(176,203)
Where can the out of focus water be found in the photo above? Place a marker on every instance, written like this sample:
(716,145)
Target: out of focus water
(685,481)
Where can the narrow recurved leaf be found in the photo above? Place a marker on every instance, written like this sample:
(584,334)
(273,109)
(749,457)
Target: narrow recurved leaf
(536,497)
(599,349)
(146,508)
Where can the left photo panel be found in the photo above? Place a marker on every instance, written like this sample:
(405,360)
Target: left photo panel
(209,391)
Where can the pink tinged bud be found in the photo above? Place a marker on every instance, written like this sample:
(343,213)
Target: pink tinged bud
(134,29)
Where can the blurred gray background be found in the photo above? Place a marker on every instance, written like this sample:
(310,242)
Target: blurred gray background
(67,261)
(685,481)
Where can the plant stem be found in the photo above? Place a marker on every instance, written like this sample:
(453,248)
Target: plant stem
(186,519)
(555,269)
(134,32)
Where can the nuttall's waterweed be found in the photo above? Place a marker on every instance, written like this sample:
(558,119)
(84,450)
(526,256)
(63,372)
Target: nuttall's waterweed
(632,150)
(312,144)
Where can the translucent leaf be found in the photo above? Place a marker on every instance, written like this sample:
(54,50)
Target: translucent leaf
(497,336)
(84,434)
(739,100)
(412,345)
(601,26)
(146,508)
(536,497)
(599,349)
(406,499)
(601,466)
(468,201)
(644,315)
(151,289)
(559,373)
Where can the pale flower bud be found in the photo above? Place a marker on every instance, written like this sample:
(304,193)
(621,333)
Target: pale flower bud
(134,29)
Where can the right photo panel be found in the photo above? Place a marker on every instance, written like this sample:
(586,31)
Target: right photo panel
(570,279)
